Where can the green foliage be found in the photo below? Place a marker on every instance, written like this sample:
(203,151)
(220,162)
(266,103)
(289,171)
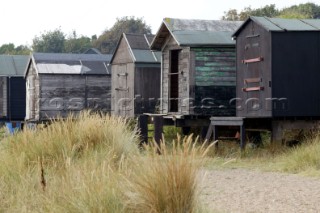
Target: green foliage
(49,42)
(57,42)
(308,10)
(10,49)
(107,42)
(75,44)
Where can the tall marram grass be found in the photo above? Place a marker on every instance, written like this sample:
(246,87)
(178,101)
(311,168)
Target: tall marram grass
(165,179)
(71,165)
(92,163)
(302,159)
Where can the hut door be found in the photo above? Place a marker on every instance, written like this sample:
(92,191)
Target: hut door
(174,81)
(253,73)
(3,97)
(123,103)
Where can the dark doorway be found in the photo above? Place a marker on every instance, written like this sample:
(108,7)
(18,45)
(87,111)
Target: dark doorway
(174,81)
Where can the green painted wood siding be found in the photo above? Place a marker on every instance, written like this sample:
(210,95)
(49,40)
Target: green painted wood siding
(215,67)
(215,81)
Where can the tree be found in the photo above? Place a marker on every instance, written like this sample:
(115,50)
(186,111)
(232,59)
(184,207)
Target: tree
(107,42)
(75,44)
(268,11)
(231,15)
(49,42)
(308,10)
(10,49)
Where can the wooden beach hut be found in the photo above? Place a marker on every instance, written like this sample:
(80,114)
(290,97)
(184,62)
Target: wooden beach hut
(135,76)
(278,63)
(198,75)
(59,84)
(12,87)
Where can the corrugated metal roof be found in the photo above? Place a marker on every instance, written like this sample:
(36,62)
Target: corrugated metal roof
(71,57)
(139,46)
(265,23)
(200,25)
(313,22)
(292,24)
(282,25)
(63,68)
(64,63)
(193,32)
(138,41)
(144,56)
(158,55)
(196,38)
(13,65)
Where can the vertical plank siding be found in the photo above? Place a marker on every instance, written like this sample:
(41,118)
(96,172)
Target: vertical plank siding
(32,94)
(17,98)
(215,81)
(252,103)
(183,101)
(147,89)
(3,97)
(123,90)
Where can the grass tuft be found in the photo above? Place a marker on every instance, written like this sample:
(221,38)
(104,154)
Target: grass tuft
(302,159)
(165,182)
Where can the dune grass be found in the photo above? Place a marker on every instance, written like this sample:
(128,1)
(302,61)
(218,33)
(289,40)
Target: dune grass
(304,159)
(272,156)
(166,182)
(92,163)
(71,165)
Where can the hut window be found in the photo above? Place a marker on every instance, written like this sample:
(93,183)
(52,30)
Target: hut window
(174,81)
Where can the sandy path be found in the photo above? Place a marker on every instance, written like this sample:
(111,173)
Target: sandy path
(240,190)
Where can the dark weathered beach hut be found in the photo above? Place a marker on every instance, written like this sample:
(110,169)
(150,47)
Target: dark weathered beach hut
(12,87)
(59,84)
(278,68)
(135,76)
(198,75)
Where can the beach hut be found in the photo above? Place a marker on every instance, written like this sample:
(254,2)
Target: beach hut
(135,76)
(60,84)
(198,75)
(278,64)
(12,87)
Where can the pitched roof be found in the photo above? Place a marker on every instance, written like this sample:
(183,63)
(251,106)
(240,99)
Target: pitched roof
(139,47)
(192,32)
(92,51)
(282,25)
(65,63)
(13,65)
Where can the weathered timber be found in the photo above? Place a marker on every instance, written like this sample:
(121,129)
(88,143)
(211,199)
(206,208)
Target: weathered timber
(136,76)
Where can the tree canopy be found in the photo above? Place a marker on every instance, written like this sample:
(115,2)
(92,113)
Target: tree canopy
(11,49)
(307,10)
(50,42)
(75,44)
(56,42)
(107,42)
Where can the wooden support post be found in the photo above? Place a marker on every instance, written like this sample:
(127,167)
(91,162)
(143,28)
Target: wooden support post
(215,135)
(143,128)
(204,131)
(209,133)
(158,128)
(242,137)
